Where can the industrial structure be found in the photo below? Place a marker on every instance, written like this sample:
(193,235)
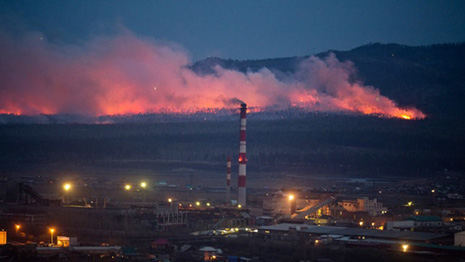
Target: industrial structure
(241,187)
(228,180)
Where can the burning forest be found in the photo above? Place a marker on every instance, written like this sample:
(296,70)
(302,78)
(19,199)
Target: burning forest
(126,74)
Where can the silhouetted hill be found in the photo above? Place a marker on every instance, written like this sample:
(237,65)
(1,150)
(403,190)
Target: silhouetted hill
(431,78)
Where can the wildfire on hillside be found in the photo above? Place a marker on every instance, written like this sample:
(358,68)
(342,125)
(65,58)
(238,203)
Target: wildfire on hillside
(128,75)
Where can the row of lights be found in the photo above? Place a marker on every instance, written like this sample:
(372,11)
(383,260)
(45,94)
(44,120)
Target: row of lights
(129,186)
(196,203)
(52,230)
(68,186)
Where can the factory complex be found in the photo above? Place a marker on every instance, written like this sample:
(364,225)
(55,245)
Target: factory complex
(136,220)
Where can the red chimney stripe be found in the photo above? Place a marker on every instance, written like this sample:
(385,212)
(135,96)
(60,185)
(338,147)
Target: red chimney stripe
(241,181)
(242,135)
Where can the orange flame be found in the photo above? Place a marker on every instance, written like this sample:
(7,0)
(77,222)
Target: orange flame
(406,117)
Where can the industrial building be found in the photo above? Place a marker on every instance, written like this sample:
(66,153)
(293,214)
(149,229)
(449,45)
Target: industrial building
(364,204)
(289,230)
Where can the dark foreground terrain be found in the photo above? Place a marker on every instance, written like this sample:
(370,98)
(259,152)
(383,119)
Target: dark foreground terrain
(318,144)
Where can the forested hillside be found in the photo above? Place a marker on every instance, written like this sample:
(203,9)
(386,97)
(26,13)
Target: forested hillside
(334,144)
(431,78)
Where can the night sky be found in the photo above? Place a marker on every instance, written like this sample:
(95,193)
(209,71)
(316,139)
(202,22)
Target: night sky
(243,29)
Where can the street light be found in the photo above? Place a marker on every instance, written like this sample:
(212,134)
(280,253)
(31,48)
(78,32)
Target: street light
(143,185)
(127,187)
(67,187)
(404,247)
(292,203)
(17,227)
(51,235)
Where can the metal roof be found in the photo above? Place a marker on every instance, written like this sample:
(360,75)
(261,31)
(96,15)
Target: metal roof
(424,218)
(352,231)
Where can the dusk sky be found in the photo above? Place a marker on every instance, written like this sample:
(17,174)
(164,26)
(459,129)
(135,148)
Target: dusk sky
(243,29)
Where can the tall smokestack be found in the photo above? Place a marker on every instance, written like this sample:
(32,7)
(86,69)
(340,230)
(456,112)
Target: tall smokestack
(241,197)
(228,180)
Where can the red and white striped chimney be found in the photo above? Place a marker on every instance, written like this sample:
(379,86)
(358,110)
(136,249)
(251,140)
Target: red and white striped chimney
(228,180)
(241,197)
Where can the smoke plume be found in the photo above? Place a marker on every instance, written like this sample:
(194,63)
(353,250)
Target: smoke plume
(126,74)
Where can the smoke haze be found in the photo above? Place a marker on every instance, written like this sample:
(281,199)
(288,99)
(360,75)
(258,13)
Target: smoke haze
(125,74)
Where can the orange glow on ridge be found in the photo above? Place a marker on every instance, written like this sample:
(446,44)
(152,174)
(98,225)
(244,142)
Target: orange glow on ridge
(124,74)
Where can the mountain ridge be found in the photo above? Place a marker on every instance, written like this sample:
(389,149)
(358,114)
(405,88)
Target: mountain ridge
(430,78)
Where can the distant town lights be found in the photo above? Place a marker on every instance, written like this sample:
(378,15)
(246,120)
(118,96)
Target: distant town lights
(143,184)
(291,197)
(127,187)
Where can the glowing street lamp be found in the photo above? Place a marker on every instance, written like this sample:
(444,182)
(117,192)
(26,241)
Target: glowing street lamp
(17,227)
(239,206)
(197,203)
(170,200)
(405,247)
(127,187)
(143,185)
(51,235)
(67,187)
(292,203)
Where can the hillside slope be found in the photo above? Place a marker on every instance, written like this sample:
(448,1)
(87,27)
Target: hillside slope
(431,78)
